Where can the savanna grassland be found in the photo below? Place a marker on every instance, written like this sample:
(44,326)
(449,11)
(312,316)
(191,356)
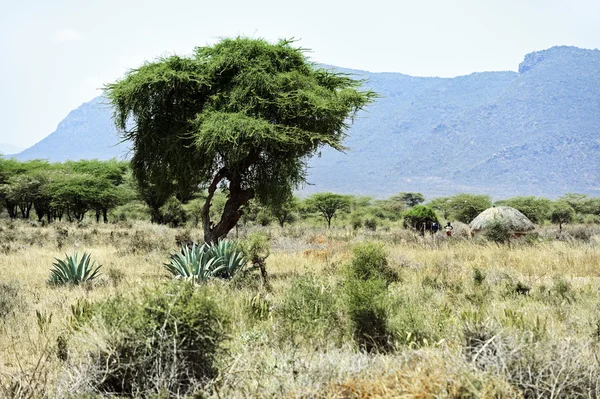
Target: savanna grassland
(345,314)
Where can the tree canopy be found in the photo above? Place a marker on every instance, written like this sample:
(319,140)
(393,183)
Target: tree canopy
(243,112)
(328,204)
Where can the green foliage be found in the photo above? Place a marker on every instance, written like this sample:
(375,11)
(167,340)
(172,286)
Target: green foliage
(328,204)
(420,218)
(263,218)
(466,207)
(367,310)
(536,209)
(257,246)
(229,257)
(497,231)
(581,203)
(370,224)
(562,213)
(192,263)
(73,270)
(285,212)
(248,113)
(172,213)
(410,199)
(200,263)
(356,220)
(165,339)
(309,309)
(369,261)
(442,205)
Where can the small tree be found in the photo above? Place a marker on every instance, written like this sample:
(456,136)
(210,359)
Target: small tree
(536,209)
(284,213)
(562,213)
(420,218)
(411,199)
(328,204)
(466,207)
(243,113)
(441,204)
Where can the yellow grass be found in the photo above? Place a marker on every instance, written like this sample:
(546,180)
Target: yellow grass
(29,253)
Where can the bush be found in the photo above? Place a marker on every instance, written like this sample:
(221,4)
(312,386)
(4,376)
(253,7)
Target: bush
(310,309)
(164,340)
(369,261)
(497,231)
(371,224)
(172,213)
(366,301)
(356,221)
(420,218)
(73,271)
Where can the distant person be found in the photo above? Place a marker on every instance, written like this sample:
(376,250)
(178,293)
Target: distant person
(449,229)
(435,227)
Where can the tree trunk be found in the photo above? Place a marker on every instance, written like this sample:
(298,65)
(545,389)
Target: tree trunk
(97,215)
(105,215)
(232,212)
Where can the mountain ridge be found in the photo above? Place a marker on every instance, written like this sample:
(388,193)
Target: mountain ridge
(534,131)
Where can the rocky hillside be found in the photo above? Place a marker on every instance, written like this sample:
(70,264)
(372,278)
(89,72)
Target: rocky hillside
(535,131)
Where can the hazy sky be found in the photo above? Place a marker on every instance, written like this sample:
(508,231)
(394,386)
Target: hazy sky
(56,54)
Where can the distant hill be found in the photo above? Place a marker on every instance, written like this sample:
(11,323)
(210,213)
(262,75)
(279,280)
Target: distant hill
(87,132)
(535,131)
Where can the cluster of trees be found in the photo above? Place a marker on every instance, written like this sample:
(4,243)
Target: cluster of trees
(62,190)
(72,190)
(361,211)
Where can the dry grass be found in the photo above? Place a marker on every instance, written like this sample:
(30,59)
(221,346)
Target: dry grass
(437,295)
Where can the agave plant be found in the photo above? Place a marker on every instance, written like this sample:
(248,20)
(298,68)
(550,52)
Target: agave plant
(192,263)
(72,270)
(229,258)
(200,263)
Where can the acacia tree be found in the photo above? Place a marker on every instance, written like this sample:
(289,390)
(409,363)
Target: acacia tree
(284,213)
(466,207)
(243,113)
(536,209)
(328,204)
(562,212)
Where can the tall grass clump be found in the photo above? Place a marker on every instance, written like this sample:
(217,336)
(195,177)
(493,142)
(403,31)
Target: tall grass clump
(165,340)
(10,298)
(368,277)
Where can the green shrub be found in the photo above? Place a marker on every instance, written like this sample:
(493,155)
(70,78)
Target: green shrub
(497,231)
(310,309)
(172,213)
(166,339)
(420,218)
(366,302)
(73,271)
(264,218)
(369,261)
(371,224)
(356,221)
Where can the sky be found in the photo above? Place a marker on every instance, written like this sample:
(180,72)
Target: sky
(56,55)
